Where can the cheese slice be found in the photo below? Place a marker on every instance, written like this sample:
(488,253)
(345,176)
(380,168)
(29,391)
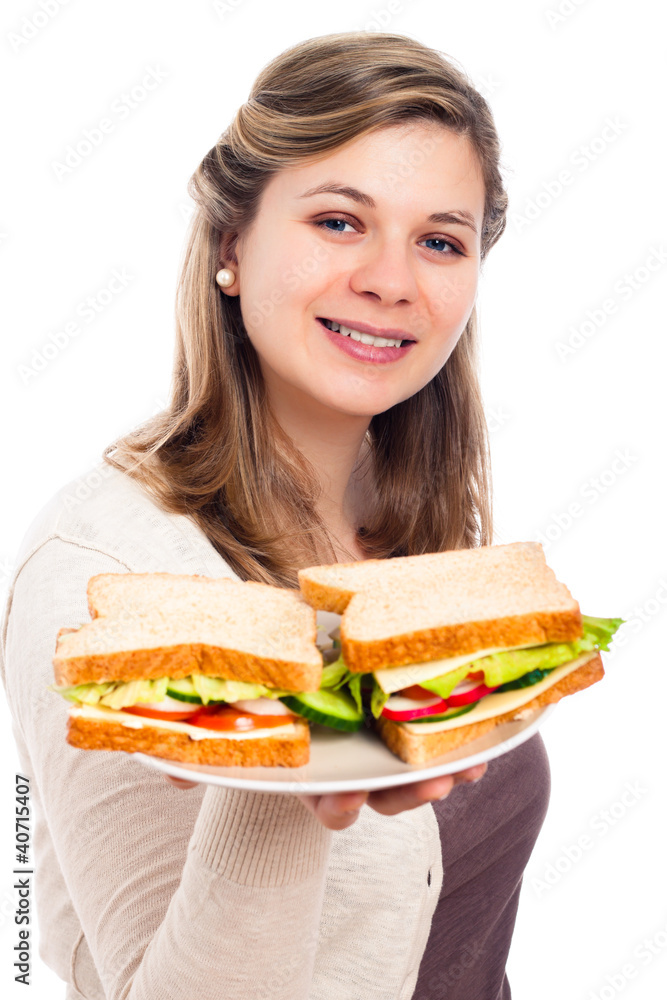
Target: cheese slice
(500,704)
(194,732)
(396,678)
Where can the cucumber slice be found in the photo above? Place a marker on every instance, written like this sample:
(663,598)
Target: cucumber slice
(534,677)
(183,690)
(330,708)
(451,714)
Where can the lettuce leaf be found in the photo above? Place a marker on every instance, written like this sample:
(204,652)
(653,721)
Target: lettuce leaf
(88,694)
(503,668)
(219,689)
(354,686)
(378,698)
(499,669)
(120,694)
(115,694)
(335,675)
(599,631)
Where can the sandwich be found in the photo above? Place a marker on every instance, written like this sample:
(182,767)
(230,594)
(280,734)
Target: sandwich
(433,651)
(199,670)
(443,647)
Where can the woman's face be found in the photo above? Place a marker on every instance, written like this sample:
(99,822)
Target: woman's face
(368,256)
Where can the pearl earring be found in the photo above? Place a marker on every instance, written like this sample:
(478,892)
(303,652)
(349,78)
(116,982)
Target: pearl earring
(225,277)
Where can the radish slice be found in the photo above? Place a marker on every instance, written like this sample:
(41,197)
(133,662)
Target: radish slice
(402,709)
(468,690)
(415,691)
(166,705)
(262,706)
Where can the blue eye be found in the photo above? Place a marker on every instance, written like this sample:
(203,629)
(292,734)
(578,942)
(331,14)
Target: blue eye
(334,224)
(441,239)
(325,222)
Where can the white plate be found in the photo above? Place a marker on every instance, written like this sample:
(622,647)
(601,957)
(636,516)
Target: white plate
(347,762)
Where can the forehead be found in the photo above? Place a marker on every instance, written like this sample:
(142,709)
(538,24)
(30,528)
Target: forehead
(410,163)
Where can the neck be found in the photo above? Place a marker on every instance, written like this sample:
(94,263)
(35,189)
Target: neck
(334,443)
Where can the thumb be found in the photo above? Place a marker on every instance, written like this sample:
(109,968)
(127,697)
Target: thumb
(181,782)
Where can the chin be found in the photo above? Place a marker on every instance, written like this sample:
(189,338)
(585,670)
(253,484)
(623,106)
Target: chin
(360,405)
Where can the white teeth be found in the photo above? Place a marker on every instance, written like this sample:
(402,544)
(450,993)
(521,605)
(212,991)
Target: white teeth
(364,338)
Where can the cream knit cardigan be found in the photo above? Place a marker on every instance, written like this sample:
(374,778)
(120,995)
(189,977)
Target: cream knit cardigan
(148,892)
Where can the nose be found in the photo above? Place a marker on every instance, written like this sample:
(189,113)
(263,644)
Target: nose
(385,273)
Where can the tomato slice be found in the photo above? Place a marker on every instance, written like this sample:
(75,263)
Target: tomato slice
(415,691)
(217,716)
(220,717)
(211,708)
(152,713)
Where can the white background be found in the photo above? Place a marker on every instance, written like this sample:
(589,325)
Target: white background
(584,428)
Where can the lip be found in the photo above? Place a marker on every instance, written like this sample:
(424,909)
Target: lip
(364,352)
(391,333)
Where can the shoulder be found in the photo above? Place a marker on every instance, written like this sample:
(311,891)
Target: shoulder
(106,510)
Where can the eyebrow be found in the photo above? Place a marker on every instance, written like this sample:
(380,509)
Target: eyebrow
(458,217)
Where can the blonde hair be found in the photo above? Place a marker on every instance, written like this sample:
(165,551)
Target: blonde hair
(216,453)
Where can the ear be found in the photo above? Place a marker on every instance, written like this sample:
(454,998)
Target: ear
(228,258)
(228,244)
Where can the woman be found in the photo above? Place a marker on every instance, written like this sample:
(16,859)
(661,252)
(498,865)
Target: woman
(354,196)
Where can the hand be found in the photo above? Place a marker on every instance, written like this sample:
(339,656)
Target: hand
(181,782)
(340,810)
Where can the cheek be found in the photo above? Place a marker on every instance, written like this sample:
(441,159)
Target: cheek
(454,297)
(449,305)
(450,311)
(262,293)
(282,282)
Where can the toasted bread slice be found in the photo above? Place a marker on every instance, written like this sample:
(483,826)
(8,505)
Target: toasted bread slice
(128,593)
(418,748)
(419,608)
(331,587)
(268,751)
(150,625)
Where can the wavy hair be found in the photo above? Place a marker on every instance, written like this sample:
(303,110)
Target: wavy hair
(216,453)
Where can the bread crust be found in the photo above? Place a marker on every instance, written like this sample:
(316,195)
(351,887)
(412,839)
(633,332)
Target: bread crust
(284,655)
(533,629)
(415,609)
(324,597)
(416,749)
(285,751)
(181,661)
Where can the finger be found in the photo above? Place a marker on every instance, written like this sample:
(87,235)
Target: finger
(470,774)
(181,782)
(338,811)
(390,801)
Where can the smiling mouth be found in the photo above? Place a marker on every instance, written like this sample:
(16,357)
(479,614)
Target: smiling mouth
(363,338)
